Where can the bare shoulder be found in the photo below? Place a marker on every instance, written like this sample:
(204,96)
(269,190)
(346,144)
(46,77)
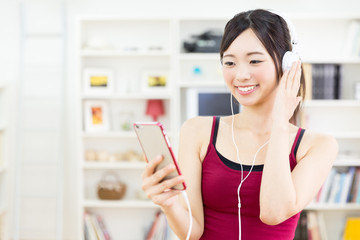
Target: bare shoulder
(318,143)
(194,126)
(197,131)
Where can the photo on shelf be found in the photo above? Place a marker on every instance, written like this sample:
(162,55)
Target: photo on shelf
(98,81)
(155,81)
(96,115)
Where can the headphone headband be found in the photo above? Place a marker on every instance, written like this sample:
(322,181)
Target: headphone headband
(292,30)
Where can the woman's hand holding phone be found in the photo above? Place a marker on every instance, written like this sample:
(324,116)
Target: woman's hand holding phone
(158,190)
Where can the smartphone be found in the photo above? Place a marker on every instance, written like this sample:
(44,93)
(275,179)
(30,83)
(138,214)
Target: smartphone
(154,142)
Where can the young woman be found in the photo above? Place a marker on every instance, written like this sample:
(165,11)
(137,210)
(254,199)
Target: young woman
(278,165)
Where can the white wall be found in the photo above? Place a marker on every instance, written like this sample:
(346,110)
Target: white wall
(9,52)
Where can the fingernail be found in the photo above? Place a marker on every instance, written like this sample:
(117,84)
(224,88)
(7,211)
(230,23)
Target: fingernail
(171,167)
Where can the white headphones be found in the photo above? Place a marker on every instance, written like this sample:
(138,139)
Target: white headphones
(290,56)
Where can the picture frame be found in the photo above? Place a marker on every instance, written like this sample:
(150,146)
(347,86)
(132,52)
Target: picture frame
(96,116)
(98,81)
(155,80)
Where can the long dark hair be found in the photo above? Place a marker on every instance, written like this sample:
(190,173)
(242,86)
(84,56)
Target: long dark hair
(272,30)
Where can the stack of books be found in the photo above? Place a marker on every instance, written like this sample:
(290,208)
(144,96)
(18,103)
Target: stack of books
(341,186)
(95,228)
(159,229)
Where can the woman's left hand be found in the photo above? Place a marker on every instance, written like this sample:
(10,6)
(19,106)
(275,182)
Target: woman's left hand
(286,99)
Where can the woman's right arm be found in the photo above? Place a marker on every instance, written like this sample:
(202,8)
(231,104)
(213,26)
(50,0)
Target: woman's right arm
(191,148)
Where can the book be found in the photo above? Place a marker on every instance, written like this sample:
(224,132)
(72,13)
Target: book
(94,227)
(90,233)
(352,229)
(103,227)
(325,190)
(313,227)
(326,81)
(307,68)
(355,186)
(344,196)
(334,188)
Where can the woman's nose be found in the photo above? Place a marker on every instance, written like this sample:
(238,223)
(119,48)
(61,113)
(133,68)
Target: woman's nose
(242,73)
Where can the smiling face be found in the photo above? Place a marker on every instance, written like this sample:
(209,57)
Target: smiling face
(248,70)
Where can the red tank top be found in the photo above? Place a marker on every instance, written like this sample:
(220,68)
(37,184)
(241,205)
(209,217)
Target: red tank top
(220,180)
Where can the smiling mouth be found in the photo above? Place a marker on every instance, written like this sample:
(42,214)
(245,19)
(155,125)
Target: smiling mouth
(247,88)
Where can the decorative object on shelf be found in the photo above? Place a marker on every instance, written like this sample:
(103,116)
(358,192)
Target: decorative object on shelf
(125,120)
(90,155)
(96,116)
(155,48)
(110,187)
(130,156)
(97,43)
(141,195)
(207,42)
(98,81)
(155,81)
(197,72)
(155,108)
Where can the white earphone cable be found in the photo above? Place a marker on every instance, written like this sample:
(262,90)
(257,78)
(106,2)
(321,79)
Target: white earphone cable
(190,214)
(241,166)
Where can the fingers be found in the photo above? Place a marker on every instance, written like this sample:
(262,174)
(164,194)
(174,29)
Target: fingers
(296,80)
(151,165)
(163,186)
(291,78)
(160,199)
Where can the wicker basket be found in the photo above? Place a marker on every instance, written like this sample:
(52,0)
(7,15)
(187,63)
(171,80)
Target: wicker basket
(110,188)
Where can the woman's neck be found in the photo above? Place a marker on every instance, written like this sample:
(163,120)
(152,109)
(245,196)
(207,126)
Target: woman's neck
(257,119)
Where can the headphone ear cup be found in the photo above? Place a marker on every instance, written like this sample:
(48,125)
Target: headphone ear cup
(288,59)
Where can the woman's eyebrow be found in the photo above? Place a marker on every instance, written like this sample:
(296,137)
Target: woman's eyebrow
(247,54)
(228,55)
(253,53)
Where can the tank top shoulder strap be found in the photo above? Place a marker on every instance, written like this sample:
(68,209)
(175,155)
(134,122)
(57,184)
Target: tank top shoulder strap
(297,141)
(214,131)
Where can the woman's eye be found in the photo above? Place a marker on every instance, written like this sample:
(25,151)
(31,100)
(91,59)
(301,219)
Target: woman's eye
(255,61)
(229,63)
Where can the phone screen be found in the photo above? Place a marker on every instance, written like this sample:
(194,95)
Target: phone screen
(154,142)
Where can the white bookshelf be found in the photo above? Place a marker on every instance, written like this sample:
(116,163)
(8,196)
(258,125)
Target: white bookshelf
(128,58)
(336,117)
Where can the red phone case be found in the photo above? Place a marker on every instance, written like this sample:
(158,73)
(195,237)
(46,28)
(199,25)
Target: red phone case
(154,142)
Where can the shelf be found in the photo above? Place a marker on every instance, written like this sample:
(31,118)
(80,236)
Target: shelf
(119,204)
(333,60)
(114,165)
(347,162)
(119,53)
(200,56)
(130,134)
(345,135)
(331,103)
(333,206)
(206,84)
(134,96)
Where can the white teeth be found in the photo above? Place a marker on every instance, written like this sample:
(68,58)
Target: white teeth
(245,89)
